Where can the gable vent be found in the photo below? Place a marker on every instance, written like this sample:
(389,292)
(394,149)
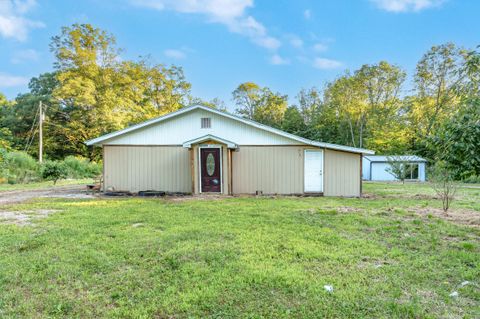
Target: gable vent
(206,122)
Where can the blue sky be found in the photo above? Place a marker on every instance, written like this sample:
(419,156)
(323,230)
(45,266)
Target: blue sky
(284,44)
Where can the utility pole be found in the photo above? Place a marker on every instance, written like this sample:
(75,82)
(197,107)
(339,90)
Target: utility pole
(40,133)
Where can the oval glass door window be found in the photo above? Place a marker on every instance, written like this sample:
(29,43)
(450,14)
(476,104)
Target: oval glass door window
(210,164)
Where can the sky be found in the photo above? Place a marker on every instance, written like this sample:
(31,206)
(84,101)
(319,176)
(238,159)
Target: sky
(285,45)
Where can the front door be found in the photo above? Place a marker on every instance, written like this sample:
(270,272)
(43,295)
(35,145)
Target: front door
(210,170)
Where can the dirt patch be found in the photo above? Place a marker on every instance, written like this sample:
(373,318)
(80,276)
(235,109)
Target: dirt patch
(24,218)
(458,216)
(74,192)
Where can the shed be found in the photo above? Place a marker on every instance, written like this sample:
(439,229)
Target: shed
(375,168)
(198,149)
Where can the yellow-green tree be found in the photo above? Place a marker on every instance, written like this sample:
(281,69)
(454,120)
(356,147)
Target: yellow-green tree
(260,104)
(100,93)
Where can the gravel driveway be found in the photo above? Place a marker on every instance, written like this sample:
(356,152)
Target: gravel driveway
(17,196)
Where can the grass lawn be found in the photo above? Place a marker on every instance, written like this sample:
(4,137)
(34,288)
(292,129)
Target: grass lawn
(45,184)
(385,255)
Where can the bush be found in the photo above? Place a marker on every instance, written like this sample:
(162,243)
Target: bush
(443,183)
(79,167)
(473,179)
(18,167)
(54,170)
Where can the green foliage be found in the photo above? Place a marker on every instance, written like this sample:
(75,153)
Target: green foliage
(293,121)
(53,171)
(18,167)
(458,141)
(260,104)
(399,168)
(101,94)
(79,167)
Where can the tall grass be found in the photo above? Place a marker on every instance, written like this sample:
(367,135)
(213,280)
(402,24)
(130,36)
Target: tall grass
(18,167)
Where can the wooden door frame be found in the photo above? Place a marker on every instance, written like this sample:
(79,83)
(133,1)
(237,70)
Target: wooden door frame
(200,165)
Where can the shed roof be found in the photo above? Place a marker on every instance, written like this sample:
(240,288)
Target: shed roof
(403,158)
(99,140)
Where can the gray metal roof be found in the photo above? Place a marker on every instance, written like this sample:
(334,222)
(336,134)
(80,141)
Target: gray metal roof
(99,140)
(384,158)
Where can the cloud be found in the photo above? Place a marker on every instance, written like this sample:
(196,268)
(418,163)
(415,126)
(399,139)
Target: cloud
(278,60)
(24,56)
(407,5)
(12,22)
(307,14)
(231,13)
(320,47)
(175,54)
(7,80)
(326,64)
(295,41)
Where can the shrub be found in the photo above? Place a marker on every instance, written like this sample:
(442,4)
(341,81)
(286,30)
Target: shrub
(19,167)
(473,179)
(443,183)
(54,170)
(79,167)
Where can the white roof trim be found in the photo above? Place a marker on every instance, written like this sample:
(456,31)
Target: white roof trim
(98,140)
(209,137)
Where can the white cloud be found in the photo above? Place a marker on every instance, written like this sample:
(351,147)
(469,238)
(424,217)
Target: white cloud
(278,60)
(12,22)
(175,54)
(320,47)
(406,5)
(295,41)
(231,13)
(24,56)
(7,80)
(326,64)
(307,14)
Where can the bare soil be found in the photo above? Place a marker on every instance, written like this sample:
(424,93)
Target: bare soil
(458,216)
(18,196)
(24,218)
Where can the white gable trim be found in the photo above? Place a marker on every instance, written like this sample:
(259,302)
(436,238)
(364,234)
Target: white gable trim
(209,137)
(98,140)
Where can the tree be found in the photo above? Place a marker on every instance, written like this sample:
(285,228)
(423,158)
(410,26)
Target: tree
(270,108)
(399,168)
(215,103)
(246,97)
(293,122)
(260,104)
(443,183)
(457,142)
(101,94)
(346,96)
(309,103)
(439,80)
(365,103)
(53,171)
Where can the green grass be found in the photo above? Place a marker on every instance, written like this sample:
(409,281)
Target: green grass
(243,257)
(45,184)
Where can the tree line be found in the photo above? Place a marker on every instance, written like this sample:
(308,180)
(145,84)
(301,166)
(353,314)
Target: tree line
(91,91)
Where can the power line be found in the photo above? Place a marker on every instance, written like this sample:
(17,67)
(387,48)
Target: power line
(31,133)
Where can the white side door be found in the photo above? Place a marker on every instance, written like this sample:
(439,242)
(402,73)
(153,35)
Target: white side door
(313,171)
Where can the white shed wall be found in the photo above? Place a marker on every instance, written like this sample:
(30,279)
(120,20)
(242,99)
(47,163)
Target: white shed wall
(365,169)
(186,127)
(380,173)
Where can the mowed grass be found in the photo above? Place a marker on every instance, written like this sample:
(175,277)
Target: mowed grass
(243,257)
